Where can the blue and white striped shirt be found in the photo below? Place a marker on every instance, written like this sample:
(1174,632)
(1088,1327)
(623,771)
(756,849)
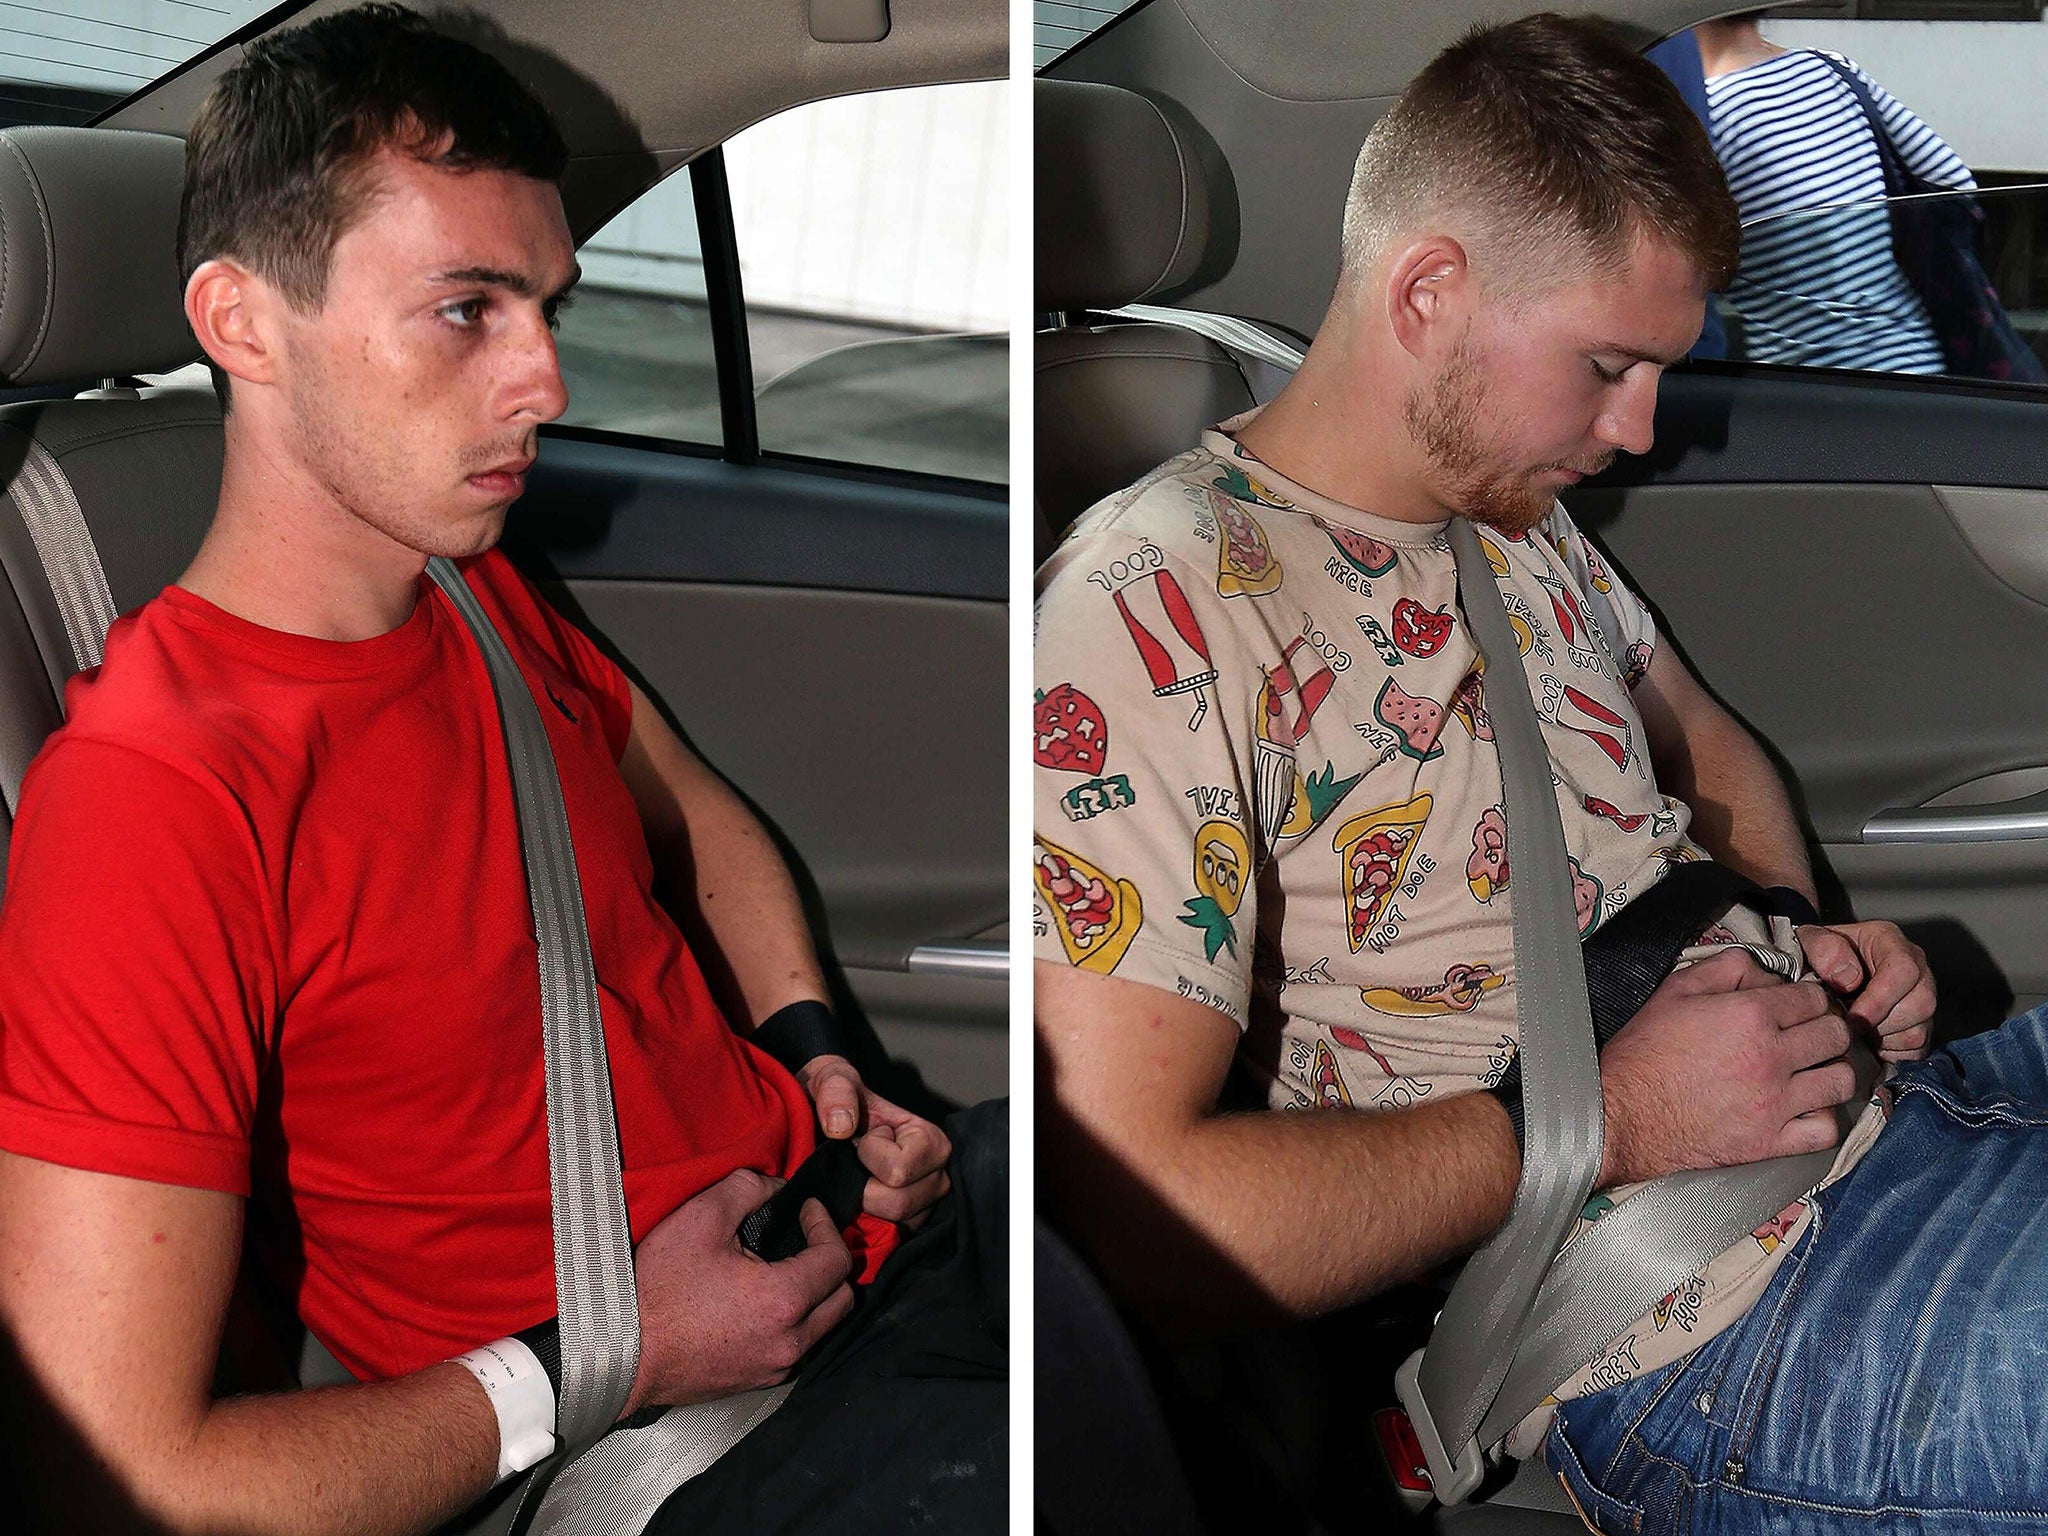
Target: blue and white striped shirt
(1822,289)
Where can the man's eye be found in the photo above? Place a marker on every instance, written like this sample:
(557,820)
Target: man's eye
(1603,375)
(551,311)
(462,313)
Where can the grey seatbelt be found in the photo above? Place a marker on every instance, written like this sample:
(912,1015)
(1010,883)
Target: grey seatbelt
(625,1475)
(1495,1355)
(1448,1387)
(71,561)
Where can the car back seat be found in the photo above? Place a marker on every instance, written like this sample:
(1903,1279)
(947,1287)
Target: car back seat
(1130,207)
(89,293)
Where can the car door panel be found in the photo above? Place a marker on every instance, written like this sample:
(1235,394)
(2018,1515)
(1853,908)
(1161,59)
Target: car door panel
(834,648)
(1876,611)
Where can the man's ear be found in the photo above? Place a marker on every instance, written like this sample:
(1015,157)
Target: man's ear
(1428,292)
(234,313)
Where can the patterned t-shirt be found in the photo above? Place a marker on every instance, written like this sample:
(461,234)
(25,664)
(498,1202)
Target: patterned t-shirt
(1266,780)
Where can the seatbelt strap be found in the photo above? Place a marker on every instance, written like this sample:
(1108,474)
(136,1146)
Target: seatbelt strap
(1650,1244)
(1225,330)
(1448,1387)
(71,561)
(594,1288)
(603,1480)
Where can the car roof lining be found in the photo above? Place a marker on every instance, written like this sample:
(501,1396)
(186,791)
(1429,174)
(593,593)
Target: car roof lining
(640,89)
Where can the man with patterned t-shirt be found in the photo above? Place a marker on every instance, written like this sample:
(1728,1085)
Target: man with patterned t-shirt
(1271,859)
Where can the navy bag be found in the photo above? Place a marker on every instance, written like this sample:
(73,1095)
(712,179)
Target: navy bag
(1935,240)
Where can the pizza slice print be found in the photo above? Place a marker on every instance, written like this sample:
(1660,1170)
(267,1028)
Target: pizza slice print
(1375,848)
(1097,914)
(1329,1081)
(1245,563)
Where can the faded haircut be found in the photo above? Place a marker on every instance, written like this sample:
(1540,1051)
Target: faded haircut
(1546,145)
(277,167)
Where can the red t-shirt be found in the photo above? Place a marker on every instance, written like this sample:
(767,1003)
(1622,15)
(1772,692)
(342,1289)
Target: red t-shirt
(266,915)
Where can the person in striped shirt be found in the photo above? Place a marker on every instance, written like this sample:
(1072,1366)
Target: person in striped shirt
(1824,290)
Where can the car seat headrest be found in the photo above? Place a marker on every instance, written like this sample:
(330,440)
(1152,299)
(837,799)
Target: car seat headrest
(88,255)
(1123,193)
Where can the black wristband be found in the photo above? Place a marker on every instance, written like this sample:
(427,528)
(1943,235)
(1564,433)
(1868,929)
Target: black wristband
(1783,901)
(795,1034)
(545,1340)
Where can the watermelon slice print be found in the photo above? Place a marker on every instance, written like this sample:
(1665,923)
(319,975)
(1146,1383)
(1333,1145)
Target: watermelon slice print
(1418,722)
(1367,556)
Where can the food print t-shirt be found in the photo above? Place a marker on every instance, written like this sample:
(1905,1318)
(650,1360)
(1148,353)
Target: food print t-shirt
(1265,780)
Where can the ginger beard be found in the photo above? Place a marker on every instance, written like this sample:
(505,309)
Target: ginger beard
(1471,471)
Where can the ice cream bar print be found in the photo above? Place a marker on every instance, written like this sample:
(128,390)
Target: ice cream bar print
(1169,641)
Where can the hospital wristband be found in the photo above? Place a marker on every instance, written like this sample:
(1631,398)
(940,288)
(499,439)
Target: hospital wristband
(522,1397)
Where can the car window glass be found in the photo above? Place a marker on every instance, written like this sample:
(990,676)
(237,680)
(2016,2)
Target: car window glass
(635,340)
(1930,312)
(66,61)
(1882,162)
(873,238)
(1058,25)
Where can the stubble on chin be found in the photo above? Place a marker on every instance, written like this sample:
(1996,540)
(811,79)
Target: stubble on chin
(1444,422)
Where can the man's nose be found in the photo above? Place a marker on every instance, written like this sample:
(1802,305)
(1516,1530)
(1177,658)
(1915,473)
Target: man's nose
(540,394)
(1628,421)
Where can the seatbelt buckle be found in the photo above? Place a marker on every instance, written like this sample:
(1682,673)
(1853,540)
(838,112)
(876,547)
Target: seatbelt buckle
(1454,1478)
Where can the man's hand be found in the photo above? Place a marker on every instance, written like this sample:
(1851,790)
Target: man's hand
(1885,976)
(906,1154)
(1725,1064)
(715,1320)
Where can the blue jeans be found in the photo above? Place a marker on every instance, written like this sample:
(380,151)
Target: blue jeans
(1894,1376)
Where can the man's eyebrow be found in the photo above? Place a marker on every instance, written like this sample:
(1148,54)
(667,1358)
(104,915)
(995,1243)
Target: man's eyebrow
(497,277)
(1646,357)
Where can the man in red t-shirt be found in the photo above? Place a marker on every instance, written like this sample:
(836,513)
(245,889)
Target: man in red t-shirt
(267,936)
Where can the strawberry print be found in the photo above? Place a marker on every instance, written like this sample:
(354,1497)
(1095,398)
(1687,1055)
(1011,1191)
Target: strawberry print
(1418,631)
(1068,731)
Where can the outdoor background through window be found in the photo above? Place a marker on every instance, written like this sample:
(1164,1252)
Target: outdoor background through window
(873,240)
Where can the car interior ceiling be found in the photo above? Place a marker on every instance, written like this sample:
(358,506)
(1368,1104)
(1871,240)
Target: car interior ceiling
(640,89)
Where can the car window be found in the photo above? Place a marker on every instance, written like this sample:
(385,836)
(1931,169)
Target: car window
(1957,294)
(66,61)
(1058,25)
(1888,163)
(635,341)
(872,237)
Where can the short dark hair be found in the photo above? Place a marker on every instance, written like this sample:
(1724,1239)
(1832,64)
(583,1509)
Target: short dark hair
(1545,132)
(275,166)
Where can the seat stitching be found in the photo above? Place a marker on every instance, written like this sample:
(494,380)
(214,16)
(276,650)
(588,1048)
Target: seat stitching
(35,188)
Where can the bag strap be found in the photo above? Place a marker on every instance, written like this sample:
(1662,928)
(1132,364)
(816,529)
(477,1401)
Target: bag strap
(1898,181)
(1448,1387)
